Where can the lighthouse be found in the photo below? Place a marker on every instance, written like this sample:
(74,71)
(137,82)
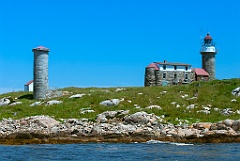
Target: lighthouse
(208,53)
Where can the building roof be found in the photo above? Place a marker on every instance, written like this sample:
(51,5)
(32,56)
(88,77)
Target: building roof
(41,48)
(200,71)
(172,63)
(28,83)
(153,65)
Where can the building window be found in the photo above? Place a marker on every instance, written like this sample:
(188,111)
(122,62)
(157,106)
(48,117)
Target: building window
(175,67)
(186,76)
(164,67)
(164,75)
(186,67)
(175,76)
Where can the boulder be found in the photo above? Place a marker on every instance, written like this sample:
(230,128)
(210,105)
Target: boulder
(154,106)
(36,103)
(77,95)
(228,122)
(15,103)
(105,116)
(111,102)
(141,118)
(53,102)
(5,101)
(236,91)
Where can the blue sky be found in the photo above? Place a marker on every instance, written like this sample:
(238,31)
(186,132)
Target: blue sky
(109,43)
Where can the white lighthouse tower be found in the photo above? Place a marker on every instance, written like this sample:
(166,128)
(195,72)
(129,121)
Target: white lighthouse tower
(208,52)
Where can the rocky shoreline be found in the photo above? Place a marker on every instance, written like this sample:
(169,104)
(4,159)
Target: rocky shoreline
(114,126)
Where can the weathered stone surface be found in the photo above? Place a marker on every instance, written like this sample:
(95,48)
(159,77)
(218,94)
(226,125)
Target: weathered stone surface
(53,102)
(111,102)
(138,126)
(236,91)
(5,101)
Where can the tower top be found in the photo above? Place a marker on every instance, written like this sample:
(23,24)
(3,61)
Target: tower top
(208,41)
(41,48)
(208,37)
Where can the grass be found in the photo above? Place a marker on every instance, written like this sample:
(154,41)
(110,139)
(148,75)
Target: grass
(216,94)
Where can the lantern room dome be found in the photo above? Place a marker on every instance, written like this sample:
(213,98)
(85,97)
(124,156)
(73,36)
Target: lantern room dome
(208,37)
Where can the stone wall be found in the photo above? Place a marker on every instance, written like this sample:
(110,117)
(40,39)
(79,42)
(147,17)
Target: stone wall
(155,77)
(208,63)
(40,74)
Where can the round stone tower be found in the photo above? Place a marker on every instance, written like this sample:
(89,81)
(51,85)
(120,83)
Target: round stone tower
(208,52)
(40,86)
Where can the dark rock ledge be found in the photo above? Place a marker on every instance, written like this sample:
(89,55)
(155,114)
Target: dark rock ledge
(114,126)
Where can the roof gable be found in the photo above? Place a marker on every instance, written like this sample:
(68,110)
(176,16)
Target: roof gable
(28,83)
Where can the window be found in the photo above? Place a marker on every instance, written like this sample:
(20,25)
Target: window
(175,67)
(186,67)
(164,67)
(175,76)
(164,75)
(186,76)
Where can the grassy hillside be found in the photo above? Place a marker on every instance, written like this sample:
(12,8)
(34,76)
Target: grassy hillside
(213,94)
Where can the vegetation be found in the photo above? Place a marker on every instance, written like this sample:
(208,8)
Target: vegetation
(213,94)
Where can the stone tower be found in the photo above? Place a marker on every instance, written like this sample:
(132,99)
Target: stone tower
(208,52)
(40,87)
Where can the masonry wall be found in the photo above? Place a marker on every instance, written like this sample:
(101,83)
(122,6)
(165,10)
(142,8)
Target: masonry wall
(156,77)
(208,63)
(40,74)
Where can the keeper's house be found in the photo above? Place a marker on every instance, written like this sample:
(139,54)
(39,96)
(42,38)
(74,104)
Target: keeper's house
(169,73)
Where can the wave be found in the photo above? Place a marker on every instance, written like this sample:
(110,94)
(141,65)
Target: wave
(167,142)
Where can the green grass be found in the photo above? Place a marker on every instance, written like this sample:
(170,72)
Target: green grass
(215,93)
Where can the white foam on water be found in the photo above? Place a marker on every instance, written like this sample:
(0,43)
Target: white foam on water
(167,142)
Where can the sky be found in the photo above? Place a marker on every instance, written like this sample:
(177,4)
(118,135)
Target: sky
(109,43)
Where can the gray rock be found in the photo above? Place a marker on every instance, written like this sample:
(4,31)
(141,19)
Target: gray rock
(236,91)
(53,102)
(112,102)
(36,103)
(5,101)
(228,122)
(141,118)
(77,95)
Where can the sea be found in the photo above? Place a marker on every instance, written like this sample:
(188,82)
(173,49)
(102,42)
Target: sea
(151,150)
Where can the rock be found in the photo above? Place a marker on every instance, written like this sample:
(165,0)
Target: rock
(154,106)
(227,111)
(36,103)
(236,125)
(228,122)
(15,103)
(141,118)
(233,100)
(236,91)
(120,89)
(77,95)
(111,102)
(189,107)
(105,116)
(204,111)
(87,111)
(53,102)
(202,125)
(5,101)
(163,92)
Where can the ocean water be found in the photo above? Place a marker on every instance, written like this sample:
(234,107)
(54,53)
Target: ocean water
(152,150)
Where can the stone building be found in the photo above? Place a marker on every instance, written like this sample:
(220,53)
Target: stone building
(168,73)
